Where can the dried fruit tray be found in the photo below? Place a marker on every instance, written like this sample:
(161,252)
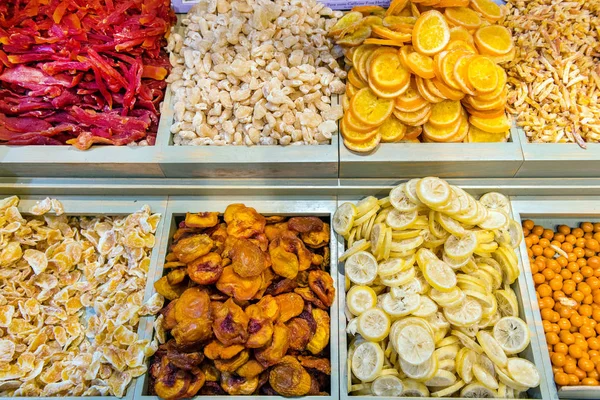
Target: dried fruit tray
(565,160)
(101,206)
(551,212)
(178,206)
(449,160)
(534,352)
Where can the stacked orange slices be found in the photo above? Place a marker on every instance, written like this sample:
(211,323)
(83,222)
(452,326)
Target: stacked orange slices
(424,71)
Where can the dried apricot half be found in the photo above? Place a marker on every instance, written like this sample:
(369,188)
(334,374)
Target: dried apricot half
(387,72)
(431,33)
(370,109)
(463,16)
(445,114)
(392,130)
(494,40)
(493,125)
(481,74)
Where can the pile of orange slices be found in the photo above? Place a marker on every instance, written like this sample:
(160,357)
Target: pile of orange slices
(425,71)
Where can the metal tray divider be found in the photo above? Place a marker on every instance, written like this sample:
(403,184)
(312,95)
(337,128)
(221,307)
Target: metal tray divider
(79,206)
(288,205)
(553,210)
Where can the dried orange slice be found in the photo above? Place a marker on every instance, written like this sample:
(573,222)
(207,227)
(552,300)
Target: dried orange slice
(481,74)
(490,10)
(452,3)
(425,92)
(445,114)
(396,6)
(493,95)
(369,109)
(356,38)
(433,89)
(463,131)
(356,136)
(355,80)
(389,42)
(414,10)
(411,100)
(392,130)
(389,94)
(364,147)
(360,51)
(348,20)
(460,33)
(456,44)
(493,125)
(345,103)
(392,20)
(420,65)
(414,118)
(447,65)
(476,135)
(463,16)
(386,72)
(494,40)
(441,134)
(369,10)
(372,20)
(350,90)
(429,3)
(431,33)
(486,114)
(460,74)
(363,62)
(413,132)
(447,91)
(488,105)
(508,57)
(387,33)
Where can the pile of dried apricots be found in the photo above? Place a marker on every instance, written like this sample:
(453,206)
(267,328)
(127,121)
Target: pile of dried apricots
(566,272)
(424,71)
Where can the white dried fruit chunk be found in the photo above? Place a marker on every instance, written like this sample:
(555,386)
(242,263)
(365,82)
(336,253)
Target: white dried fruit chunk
(255,72)
(53,267)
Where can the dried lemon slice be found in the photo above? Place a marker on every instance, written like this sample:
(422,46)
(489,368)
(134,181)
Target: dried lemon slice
(388,386)
(468,313)
(495,201)
(492,348)
(433,192)
(398,220)
(374,324)
(451,225)
(496,219)
(414,344)
(427,307)
(399,278)
(367,361)
(400,200)
(439,275)
(360,298)
(460,248)
(400,305)
(523,372)
(369,109)
(446,392)
(482,75)
(512,334)
(361,268)
(392,266)
(478,391)
(431,33)
(343,219)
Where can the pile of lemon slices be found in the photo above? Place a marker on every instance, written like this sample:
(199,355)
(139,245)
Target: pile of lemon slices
(429,304)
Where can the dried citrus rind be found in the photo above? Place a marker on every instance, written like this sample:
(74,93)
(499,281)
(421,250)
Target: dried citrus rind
(431,33)
(392,130)
(492,125)
(482,75)
(494,40)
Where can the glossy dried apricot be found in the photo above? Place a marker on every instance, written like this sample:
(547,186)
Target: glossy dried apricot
(392,130)
(369,109)
(492,125)
(420,65)
(431,33)
(481,74)
(463,16)
(445,114)
(494,40)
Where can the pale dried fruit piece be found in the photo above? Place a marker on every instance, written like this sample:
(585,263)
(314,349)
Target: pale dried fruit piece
(344,23)
(37,260)
(357,37)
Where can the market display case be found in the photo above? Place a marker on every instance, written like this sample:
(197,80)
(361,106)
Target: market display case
(551,212)
(321,206)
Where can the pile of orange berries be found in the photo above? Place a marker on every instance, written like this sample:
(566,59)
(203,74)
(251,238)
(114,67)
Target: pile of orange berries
(566,271)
